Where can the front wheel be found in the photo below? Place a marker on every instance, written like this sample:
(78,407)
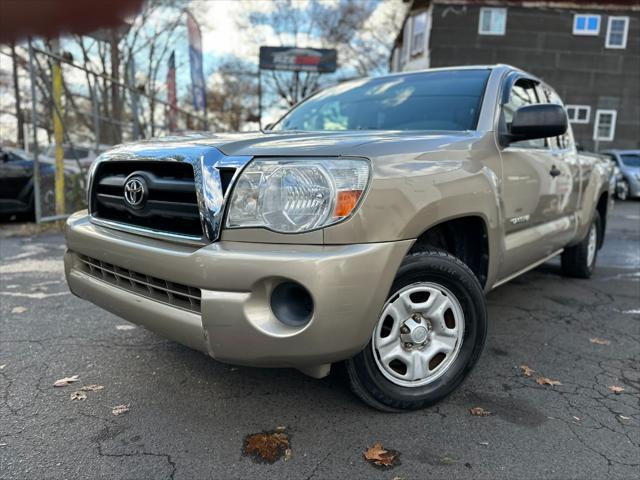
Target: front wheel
(430,334)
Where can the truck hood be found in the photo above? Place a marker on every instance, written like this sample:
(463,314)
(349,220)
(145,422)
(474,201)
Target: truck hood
(361,143)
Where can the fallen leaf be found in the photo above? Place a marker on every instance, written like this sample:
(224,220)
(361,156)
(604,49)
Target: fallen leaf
(526,370)
(125,327)
(484,444)
(479,412)
(448,460)
(2,366)
(600,341)
(18,310)
(616,389)
(577,419)
(120,410)
(547,381)
(267,446)
(378,455)
(63,382)
(91,388)
(622,417)
(78,395)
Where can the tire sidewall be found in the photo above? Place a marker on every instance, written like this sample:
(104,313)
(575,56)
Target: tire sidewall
(598,225)
(463,285)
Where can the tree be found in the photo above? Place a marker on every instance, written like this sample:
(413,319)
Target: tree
(232,96)
(361,31)
(16,93)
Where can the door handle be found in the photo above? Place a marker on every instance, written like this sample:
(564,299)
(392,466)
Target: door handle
(554,172)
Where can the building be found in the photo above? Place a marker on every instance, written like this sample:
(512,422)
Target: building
(589,52)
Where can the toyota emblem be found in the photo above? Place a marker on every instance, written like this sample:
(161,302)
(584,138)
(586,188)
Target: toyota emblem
(135,192)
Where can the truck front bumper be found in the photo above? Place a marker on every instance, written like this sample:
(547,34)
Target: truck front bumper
(233,320)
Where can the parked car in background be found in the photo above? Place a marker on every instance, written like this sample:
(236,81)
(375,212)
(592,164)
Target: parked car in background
(16,183)
(628,161)
(76,157)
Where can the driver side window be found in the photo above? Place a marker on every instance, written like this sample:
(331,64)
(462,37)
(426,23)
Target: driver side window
(522,93)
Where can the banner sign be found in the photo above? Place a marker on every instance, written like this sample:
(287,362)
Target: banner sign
(321,60)
(195,60)
(172,97)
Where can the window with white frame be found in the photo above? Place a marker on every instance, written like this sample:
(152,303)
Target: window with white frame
(617,31)
(605,125)
(418,31)
(586,24)
(578,113)
(493,21)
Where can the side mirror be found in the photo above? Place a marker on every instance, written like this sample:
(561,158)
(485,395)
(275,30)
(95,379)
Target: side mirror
(537,121)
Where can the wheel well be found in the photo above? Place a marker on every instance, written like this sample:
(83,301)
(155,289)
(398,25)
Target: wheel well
(603,202)
(466,238)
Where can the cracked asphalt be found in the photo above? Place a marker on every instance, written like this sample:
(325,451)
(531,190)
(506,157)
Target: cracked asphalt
(189,414)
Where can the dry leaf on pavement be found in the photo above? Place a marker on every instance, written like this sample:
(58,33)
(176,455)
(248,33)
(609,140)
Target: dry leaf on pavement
(616,389)
(268,446)
(120,410)
(378,455)
(18,310)
(600,341)
(2,366)
(526,370)
(78,395)
(287,455)
(547,381)
(63,382)
(91,388)
(125,327)
(479,412)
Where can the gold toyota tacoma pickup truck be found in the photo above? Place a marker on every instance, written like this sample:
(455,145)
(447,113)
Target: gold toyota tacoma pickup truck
(365,226)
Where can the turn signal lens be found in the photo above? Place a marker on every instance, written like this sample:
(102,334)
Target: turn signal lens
(346,202)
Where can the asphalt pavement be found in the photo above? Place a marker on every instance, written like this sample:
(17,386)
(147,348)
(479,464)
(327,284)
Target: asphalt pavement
(188,414)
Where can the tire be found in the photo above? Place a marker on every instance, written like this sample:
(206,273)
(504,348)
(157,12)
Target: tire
(622,191)
(579,261)
(453,286)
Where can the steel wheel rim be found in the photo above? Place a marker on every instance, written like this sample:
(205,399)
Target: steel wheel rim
(593,243)
(440,313)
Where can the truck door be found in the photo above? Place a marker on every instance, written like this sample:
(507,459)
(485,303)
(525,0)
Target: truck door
(568,184)
(533,216)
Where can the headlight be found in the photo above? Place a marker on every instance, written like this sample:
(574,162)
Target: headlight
(297,195)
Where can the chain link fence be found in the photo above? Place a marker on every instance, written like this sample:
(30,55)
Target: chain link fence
(69,112)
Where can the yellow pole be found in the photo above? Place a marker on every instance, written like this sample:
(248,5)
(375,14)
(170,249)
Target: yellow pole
(58,134)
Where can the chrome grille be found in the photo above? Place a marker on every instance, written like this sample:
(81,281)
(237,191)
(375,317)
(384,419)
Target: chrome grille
(171,204)
(171,293)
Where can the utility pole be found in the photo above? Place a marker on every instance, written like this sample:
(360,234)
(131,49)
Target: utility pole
(58,128)
(116,114)
(131,82)
(34,123)
(16,90)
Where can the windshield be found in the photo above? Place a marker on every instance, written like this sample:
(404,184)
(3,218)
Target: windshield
(445,100)
(631,159)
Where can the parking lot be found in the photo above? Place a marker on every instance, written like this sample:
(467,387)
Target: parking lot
(189,414)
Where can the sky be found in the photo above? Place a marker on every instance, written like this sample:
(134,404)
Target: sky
(221,39)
